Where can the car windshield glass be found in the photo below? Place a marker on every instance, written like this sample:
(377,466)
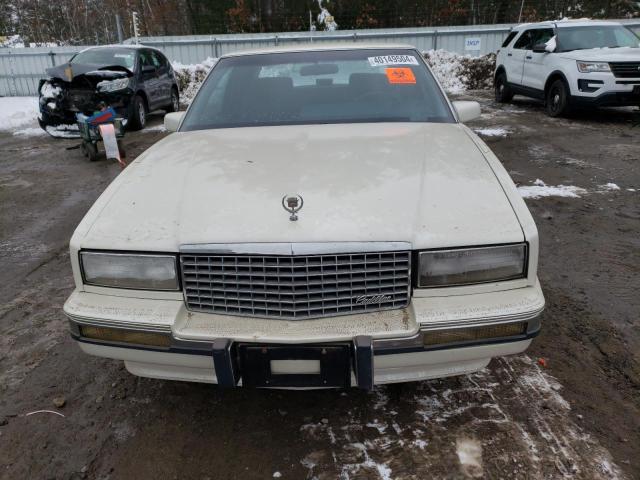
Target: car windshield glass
(336,86)
(107,57)
(596,36)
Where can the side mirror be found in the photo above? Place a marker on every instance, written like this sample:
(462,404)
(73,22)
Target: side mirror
(540,48)
(172,121)
(467,111)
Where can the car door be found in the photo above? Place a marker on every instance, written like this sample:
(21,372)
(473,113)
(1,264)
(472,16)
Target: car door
(165,81)
(536,70)
(149,78)
(515,58)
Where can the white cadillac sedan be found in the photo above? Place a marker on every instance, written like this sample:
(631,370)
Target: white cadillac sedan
(320,218)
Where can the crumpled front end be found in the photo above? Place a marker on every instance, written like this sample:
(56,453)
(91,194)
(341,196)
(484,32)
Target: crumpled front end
(65,94)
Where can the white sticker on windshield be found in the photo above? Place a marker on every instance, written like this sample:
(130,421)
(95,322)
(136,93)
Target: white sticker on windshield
(386,60)
(122,55)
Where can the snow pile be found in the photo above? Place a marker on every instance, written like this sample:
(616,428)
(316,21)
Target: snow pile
(457,73)
(540,189)
(326,19)
(190,77)
(18,111)
(12,41)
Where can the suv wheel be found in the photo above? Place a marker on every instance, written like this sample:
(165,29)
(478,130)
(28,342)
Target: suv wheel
(503,92)
(137,117)
(557,99)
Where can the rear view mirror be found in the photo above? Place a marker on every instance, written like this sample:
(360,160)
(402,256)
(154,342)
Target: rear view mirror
(172,121)
(319,69)
(467,111)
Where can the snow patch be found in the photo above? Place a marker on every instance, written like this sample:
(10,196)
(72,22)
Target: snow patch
(30,132)
(382,469)
(17,111)
(377,425)
(469,453)
(492,132)
(540,189)
(421,444)
(155,128)
(12,41)
(609,186)
(49,91)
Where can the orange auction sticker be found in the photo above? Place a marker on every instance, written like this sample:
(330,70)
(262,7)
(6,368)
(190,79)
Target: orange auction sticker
(400,75)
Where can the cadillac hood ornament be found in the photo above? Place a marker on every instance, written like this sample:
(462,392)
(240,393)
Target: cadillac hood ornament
(292,204)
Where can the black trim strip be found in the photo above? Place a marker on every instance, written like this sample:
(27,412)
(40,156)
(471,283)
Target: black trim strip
(363,359)
(224,363)
(207,347)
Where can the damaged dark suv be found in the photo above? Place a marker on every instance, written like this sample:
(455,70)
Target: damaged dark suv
(132,79)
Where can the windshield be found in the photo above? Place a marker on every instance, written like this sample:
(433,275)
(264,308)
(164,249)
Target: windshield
(336,86)
(107,57)
(596,36)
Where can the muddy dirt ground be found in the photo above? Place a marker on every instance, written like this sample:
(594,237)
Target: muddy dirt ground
(576,417)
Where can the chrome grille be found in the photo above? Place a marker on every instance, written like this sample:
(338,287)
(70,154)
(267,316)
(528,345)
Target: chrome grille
(625,69)
(296,286)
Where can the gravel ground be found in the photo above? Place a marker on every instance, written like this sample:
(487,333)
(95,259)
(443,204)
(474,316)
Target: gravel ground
(575,414)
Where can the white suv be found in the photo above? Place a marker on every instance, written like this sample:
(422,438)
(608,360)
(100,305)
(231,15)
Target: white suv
(570,63)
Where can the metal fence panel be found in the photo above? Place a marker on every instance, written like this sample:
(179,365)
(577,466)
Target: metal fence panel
(20,69)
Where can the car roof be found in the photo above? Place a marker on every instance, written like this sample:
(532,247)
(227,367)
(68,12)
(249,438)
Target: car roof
(579,22)
(324,47)
(120,46)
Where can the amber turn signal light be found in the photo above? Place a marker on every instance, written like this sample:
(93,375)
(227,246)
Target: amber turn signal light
(440,337)
(106,334)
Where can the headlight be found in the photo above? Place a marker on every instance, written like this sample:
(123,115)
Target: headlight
(128,270)
(113,85)
(588,67)
(466,266)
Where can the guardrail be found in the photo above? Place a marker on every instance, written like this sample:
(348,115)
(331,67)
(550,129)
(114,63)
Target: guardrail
(21,69)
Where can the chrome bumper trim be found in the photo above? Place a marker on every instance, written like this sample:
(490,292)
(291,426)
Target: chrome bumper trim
(292,248)
(139,327)
(477,322)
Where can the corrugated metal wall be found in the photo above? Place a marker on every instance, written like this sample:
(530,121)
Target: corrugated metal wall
(193,49)
(21,68)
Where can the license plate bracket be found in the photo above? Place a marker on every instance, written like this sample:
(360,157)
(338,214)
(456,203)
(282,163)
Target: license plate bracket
(335,365)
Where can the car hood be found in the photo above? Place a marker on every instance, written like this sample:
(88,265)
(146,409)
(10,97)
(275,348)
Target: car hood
(68,71)
(624,54)
(428,184)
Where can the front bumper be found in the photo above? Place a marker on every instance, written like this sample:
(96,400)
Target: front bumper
(386,347)
(62,111)
(605,90)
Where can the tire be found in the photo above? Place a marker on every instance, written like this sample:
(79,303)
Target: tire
(137,117)
(502,90)
(557,99)
(174,106)
(90,150)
